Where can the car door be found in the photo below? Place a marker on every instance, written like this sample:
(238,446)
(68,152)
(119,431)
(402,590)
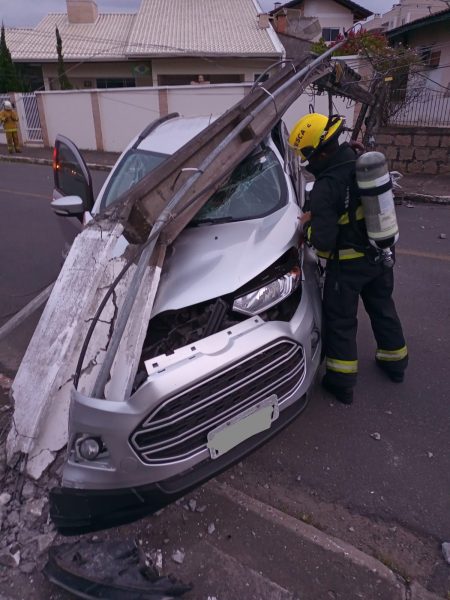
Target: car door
(71,175)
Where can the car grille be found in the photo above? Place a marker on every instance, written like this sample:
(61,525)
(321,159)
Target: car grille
(178,427)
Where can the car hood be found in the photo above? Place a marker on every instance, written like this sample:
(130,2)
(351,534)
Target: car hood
(209,261)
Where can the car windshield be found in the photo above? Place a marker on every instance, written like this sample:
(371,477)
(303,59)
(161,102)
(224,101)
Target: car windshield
(257,187)
(132,168)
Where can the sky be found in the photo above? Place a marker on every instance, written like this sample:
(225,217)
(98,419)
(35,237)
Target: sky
(27,13)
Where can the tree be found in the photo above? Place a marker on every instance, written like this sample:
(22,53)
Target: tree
(389,72)
(64,82)
(9,82)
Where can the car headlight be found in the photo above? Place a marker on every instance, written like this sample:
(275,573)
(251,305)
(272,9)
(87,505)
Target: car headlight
(268,295)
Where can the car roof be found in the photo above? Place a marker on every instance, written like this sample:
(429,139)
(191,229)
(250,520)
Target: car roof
(168,137)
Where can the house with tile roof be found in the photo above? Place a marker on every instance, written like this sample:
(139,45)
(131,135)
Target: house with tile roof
(166,42)
(315,19)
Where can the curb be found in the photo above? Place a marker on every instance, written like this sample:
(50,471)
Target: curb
(335,549)
(425,198)
(48,162)
(333,546)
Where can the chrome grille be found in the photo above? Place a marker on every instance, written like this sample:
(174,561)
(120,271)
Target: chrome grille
(178,427)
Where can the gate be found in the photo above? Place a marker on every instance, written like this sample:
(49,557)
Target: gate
(31,125)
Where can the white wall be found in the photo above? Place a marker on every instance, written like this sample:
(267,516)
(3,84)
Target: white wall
(125,112)
(329,13)
(70,113)
(192,101)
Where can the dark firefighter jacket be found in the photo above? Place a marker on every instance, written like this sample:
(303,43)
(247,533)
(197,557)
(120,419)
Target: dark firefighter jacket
(337,218)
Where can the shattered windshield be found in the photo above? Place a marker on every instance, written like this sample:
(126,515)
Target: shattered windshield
(257,187)
(132,168)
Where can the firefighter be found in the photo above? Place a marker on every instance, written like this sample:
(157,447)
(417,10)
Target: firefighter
(9,120)
(335,227)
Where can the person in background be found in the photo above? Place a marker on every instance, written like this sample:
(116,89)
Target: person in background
(9,120)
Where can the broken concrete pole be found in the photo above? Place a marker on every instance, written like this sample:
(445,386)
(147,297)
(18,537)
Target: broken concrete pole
(39,427)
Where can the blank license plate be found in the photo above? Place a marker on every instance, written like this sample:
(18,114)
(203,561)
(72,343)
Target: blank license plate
(243,426)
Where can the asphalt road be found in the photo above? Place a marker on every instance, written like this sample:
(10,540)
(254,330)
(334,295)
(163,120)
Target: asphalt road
(32,243)
(403,478)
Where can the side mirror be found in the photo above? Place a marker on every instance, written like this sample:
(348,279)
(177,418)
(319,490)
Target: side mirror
(68,206)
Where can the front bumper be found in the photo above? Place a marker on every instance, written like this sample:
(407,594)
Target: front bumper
(76,511)
(142,469)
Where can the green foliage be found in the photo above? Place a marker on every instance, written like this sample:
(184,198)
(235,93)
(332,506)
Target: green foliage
(64,82)
(394,64)
(9,82)
(319,47)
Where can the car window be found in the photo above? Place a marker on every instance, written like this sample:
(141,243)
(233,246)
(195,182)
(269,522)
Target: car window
(131,169)
(257,187)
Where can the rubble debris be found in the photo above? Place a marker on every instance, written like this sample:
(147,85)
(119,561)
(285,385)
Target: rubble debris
(112,569)
(44,541)
(158,559)
(442,236)
(5,498)
(201,509)
(375,436)
(178,557)
(5,383)
(430,454)
(28,490)
(27,568)
(9,559)
(211,528)
(192,504)
(446,551)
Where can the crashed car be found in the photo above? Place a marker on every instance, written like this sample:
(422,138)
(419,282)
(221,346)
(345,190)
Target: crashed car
(232,347)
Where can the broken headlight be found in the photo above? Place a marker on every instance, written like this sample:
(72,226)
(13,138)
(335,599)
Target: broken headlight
(268,295)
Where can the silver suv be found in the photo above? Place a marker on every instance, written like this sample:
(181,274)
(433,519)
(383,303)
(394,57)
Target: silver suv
(233,343)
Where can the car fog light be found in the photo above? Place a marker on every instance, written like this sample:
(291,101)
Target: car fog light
(89,448)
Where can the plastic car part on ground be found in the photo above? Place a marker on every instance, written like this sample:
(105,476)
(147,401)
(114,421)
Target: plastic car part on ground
(114,570)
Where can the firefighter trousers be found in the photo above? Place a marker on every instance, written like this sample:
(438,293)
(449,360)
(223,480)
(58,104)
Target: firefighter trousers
(345,282)
(12,139)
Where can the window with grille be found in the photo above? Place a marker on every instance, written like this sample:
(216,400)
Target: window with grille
(430,58)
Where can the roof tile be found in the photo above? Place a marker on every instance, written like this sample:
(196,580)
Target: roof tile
(106,38)
(199,27)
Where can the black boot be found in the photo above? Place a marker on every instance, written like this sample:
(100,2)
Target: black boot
(342,394)
(395,376)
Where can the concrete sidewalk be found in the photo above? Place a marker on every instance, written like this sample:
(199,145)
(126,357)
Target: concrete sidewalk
(44,156)
(433,189)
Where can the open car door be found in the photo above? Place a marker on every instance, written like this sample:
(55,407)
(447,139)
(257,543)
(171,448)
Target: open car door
(71,175)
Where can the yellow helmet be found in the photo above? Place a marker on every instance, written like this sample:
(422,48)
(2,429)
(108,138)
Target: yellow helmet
(313,131)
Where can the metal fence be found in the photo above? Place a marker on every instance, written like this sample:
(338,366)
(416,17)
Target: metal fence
(32,130)
(420,107)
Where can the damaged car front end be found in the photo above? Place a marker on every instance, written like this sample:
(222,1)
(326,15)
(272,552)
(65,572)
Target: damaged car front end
(230,353)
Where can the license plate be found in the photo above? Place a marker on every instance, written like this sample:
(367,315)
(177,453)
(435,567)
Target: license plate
(243,426)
